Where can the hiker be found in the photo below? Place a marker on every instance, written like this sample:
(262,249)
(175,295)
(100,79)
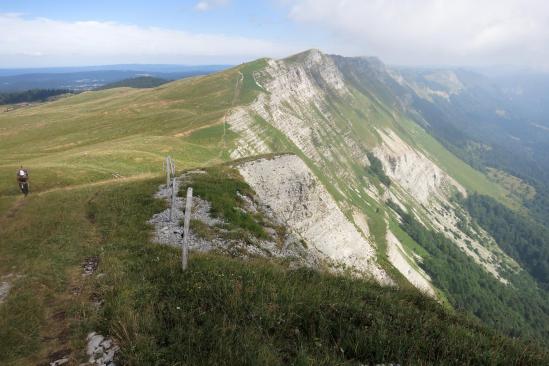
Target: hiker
(23,180)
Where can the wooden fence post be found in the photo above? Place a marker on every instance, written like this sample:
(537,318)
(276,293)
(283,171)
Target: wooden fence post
(187,221)
(174,194)
(168,171)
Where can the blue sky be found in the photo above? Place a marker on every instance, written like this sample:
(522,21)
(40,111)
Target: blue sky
(264,19)
(467,32)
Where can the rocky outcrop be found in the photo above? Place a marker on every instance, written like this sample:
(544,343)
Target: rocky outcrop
(287,187)
(424,182)
(309,99)
(6,284)
(214,237)
(412,170)
(407,265)
(295,104)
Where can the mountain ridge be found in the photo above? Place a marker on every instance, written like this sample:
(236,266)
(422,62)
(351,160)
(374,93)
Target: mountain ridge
(335,117)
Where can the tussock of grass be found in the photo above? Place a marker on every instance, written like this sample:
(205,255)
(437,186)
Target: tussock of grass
(221,186)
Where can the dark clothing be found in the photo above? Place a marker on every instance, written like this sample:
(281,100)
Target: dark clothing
(22,175)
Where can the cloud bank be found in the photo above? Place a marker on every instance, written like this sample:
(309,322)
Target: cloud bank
(40,41)
(206,5)
(435,31)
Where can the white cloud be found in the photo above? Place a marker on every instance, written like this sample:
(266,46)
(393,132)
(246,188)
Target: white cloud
(35,41)
(435,31)
(205,5)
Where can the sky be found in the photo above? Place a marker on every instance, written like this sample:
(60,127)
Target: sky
(44,33)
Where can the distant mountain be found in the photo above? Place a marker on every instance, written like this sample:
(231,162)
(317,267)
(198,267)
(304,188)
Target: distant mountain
(149,68)
(88,78)
(138,82)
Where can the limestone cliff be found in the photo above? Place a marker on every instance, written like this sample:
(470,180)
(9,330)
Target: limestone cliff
(332,115)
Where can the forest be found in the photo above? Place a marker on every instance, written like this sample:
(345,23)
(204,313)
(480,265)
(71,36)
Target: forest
(376,169)
(32,95)
(521,238)
(518,309)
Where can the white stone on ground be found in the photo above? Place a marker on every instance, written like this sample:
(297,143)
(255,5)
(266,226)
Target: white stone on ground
(101,350)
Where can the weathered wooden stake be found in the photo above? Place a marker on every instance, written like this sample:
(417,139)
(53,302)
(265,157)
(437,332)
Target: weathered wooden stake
(174,194)
(167,166)
(187,221)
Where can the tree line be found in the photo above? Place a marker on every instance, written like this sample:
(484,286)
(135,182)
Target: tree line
(518,309)
(32,95)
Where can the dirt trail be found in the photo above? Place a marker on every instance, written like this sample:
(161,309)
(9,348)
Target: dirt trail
(189,132)
(21,201)
(236,95)
(10,213)
(100,183)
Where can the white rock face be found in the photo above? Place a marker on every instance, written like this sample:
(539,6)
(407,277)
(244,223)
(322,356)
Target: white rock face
(430,186)
(278,245)
(296,197)
(412,170)
(241,121)
(401,261)
(296,103)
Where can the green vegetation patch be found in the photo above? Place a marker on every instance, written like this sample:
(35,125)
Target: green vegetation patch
(137,82)
(518,309)
(516,186)
(376,169)
(521,238)
(249,88)
(224,188)
(32,95)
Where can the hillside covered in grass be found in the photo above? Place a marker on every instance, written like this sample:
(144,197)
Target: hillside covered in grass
(221,311)
(139,82)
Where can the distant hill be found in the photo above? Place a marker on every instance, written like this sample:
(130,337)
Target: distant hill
(142,68)
(89,78)
(138,82)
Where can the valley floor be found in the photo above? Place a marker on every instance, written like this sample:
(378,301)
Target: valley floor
(221,311)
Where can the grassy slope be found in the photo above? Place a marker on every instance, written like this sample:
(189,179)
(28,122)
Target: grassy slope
(222,311)
(136,82)
(123,131)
